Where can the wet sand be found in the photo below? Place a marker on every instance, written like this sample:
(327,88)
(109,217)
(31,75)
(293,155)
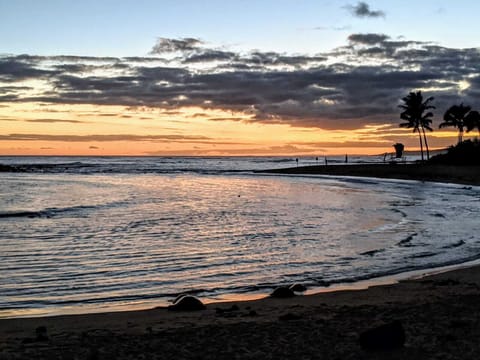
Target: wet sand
(440,315)
(468,175)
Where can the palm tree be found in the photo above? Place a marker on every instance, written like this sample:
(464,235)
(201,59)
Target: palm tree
(414,109)
(455,117)
(472,121)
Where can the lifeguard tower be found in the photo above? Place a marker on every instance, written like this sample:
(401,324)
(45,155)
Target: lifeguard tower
(398,157)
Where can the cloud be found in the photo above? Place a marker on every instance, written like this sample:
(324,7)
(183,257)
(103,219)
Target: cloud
(49,121)
(350,87)
(334,28)
(273,150)
(368,39)
(104,138)
(209,55)
(362,10)
(14,69)
(166,45)
(93,147)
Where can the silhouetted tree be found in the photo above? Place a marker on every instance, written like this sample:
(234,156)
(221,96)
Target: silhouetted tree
(472,121)
(455,117)
(417,117)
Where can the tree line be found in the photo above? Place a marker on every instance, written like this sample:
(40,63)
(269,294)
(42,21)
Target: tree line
(418,116)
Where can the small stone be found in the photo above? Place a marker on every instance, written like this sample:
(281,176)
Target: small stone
(282,292)
(187,303)
(41,333)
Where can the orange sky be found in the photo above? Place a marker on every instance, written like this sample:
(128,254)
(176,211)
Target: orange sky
(191,99)
(48,129)
(322,78)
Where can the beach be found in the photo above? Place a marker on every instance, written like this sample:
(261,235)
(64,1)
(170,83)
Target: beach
(468,175)
(439,314)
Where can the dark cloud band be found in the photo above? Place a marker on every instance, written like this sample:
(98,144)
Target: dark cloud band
(358,84)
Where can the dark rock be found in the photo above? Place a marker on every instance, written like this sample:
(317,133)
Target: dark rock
(41,333)
(178,297)
(298,288)
(385,337)
(282,292)
(186,303)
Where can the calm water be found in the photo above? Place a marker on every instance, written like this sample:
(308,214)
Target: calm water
(83,234)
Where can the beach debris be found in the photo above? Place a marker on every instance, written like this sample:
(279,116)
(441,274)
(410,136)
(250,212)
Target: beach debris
(186,303)
(282,292)
(384,337)
(298,287)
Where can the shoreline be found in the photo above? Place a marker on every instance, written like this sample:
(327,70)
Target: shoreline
(464,175)
(438,313)
(357,285)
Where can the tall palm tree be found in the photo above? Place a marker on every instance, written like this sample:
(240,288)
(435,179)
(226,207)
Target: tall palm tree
(417,117)
(455,117)
(472,121)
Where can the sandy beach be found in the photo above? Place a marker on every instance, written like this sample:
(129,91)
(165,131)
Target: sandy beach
(468,175)
(439,315)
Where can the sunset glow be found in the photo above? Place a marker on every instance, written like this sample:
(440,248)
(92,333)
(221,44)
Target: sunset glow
(199,96)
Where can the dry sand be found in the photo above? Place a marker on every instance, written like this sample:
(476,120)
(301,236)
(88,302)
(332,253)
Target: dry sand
(423,172)
(440,315)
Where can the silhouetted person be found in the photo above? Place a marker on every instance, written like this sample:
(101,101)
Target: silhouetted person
(296,161)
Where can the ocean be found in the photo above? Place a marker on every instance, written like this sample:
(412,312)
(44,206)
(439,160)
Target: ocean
(89,234)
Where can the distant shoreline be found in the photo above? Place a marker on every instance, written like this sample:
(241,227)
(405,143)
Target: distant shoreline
(466,175)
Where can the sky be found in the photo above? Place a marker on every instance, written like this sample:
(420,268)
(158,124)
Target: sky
(224,77)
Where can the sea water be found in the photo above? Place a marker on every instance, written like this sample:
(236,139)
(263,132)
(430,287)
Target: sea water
(97,234)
